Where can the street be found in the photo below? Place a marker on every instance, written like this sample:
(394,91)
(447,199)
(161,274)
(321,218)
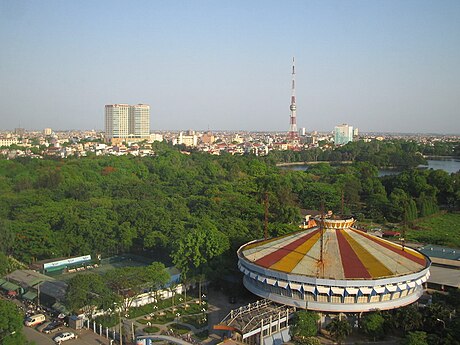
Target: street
(85,337)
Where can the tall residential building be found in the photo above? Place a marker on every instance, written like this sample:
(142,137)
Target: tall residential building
(127,122)
(140,120)
(343,134)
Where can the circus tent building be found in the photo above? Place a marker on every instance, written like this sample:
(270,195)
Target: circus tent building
(334,267)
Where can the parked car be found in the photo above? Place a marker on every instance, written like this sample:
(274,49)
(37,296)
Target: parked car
(41,327)
(34,320)
(64,337)
(53,326)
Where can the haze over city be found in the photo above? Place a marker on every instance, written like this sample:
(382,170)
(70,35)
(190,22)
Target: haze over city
(379,65)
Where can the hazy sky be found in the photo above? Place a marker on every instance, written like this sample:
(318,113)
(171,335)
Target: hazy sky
(378,65)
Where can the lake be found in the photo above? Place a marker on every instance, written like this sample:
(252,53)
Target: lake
(449,165)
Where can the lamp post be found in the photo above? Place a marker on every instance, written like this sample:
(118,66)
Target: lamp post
(119,321)
(178,316)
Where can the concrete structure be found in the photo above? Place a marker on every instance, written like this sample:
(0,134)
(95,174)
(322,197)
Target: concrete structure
(47,131)
(261,322)
(125,122)
(8,141)
(334,268)
(343,134)
(190,139)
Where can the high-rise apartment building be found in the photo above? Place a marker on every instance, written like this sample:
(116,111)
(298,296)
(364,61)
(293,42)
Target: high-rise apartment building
(343,134)
(127,122)
(140,120)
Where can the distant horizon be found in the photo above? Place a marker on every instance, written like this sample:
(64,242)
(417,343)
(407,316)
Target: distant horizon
(390,66)
(234,130)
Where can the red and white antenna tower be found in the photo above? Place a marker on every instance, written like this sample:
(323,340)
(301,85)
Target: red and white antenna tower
(292,134)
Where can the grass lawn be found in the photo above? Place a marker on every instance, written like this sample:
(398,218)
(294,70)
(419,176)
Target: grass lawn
(440,229)
(193,308)
(151,329)
(181,329)
(195,320)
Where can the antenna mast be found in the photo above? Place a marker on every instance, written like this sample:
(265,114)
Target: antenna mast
(293,135)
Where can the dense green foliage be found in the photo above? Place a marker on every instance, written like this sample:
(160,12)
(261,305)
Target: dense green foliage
(90,291)
(304,324)
(194,207)
(372,324)
(435,324)
(116,204)
(394,153)
(339,329)
(10,324)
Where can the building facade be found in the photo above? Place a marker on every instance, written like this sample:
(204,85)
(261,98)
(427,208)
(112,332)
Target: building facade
(343,134)
(125,122)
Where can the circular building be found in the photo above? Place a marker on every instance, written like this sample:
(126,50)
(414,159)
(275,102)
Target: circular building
(334,268)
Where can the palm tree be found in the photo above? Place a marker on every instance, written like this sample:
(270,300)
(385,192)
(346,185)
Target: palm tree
(339,329)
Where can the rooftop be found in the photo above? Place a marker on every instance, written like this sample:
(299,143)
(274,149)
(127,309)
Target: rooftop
(347,254)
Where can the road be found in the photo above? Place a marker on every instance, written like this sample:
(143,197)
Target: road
(85,337)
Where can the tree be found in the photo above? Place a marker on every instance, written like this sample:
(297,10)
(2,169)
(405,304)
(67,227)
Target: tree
(10,324)
(372,325)
(304,324)
(128,282)
(202,242)
(409,318)
(4,264)
(86,292)
(7,235)
(339,329)
(416,338)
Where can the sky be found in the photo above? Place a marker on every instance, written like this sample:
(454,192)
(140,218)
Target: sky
(386,66)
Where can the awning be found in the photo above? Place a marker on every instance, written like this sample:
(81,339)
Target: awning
(271,281)
(8,286)
(411,284)
(295,286)
(402,286)
(60,308)
(379,289)
(323,289)
(283,284)
(2,281)
(337,290)
(261,278)
(30,295)
(391,288)
(352,290)
(365,290)
(253,275)
(309,288)
(419,281)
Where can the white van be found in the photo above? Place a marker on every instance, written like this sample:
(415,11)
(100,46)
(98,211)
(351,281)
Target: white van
(34,320)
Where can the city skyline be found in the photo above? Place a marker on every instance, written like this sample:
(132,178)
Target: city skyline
(380,66)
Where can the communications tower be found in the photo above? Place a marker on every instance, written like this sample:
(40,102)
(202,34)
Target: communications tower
(293,137)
